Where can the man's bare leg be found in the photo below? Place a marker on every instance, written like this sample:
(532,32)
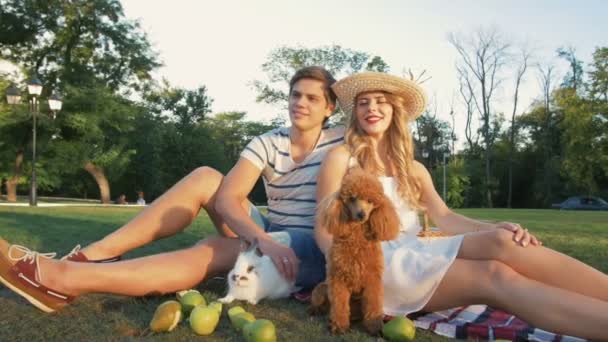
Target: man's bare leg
(155,274)
(167,215)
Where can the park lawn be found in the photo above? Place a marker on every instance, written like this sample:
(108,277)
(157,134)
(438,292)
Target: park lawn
(583,235)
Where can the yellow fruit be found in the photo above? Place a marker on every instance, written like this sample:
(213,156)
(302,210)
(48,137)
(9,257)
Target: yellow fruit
(191,299)
(203,320)
(233,311)
(399,329)
(180,294)
(262,330)
(217,306)
(239,320)
(166,316)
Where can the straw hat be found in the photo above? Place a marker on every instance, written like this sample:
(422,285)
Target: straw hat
(349,87)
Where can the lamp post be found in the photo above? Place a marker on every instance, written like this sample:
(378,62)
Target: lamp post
(445,155)
(13,97)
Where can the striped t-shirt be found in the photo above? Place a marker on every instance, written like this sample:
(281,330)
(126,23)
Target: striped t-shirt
(290,187)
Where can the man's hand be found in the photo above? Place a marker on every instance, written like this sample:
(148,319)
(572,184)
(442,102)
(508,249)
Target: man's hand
(520,235)
(283,257)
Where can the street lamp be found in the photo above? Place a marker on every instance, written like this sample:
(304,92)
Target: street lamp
(445,155)
(13,97)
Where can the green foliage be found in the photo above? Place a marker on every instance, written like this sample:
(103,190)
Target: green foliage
(282,63)
(598,75)
(76,42)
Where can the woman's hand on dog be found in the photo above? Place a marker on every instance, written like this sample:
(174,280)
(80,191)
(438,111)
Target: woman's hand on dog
(283,257)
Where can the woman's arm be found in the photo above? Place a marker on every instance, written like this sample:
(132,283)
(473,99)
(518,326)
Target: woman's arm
(453,223)
(333,169)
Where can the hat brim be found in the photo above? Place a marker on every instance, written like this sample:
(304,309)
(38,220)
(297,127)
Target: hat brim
(349,87)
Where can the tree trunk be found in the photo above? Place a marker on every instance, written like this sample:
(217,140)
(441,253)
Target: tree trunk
(11,183)
(101,180)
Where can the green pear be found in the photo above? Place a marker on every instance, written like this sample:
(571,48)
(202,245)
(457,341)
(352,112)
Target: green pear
(217,306)
(399,329)
(191,299)
(239,320)
(204,320)
(261,330)
(166,317)
(233,311)
(180,294)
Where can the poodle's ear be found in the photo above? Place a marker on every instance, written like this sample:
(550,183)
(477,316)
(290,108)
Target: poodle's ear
(384,221)
(333,216)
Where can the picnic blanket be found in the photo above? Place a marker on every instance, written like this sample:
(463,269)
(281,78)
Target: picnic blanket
(476,322)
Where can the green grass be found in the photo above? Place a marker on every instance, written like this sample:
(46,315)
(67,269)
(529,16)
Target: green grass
(583,235)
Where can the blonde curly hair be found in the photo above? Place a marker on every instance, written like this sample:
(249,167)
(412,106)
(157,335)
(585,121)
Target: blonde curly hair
(400,150)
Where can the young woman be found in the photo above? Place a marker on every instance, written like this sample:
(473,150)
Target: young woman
(499,264)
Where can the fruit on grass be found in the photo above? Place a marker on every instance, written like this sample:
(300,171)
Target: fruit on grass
(261,330)
(233,311)
(191,299)
(399,329)
(239,320)
(217,306)
(204,320)
(166,316)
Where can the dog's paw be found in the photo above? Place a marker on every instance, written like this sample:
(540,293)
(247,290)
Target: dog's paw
(373,326)
(338,329)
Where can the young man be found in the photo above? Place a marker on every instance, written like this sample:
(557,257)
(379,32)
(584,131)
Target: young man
(287,158)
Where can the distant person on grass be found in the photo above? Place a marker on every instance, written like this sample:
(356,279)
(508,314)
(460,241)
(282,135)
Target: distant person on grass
(287,158)
(499,264)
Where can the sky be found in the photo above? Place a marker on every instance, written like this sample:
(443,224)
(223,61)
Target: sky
(222,44)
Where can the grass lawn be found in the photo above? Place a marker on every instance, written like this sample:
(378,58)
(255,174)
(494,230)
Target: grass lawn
(583,235)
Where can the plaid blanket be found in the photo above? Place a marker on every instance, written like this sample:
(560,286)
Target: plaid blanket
(477,322)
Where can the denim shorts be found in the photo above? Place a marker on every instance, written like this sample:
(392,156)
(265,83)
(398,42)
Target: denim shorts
(311,269)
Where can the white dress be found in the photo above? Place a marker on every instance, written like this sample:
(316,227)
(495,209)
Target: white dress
(413,266)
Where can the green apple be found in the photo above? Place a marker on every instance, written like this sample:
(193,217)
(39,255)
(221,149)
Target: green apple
(191,299)
(217,306)
(239,320)
(204,320)
(233,311)
(262,330)
(180,294)
(399,329)
(166,316)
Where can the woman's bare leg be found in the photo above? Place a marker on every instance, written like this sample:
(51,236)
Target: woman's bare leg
(155,274)
(166,216)
(536,262)
(496,284)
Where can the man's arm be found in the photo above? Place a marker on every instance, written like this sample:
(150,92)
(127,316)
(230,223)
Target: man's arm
(232,193)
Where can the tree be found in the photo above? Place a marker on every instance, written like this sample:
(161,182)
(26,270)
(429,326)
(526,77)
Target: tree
(76,42)
(521,71)
(574,77)
(598,75)
(185,107)
(546,81)
(482,57)
(81,47)
(283,62)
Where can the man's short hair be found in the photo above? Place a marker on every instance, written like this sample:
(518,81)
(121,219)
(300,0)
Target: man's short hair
(316,73)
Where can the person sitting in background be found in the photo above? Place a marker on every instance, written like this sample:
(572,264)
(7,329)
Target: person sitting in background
(140,198)
(122,199)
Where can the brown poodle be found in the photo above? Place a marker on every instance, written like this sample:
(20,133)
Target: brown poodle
(358,217)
